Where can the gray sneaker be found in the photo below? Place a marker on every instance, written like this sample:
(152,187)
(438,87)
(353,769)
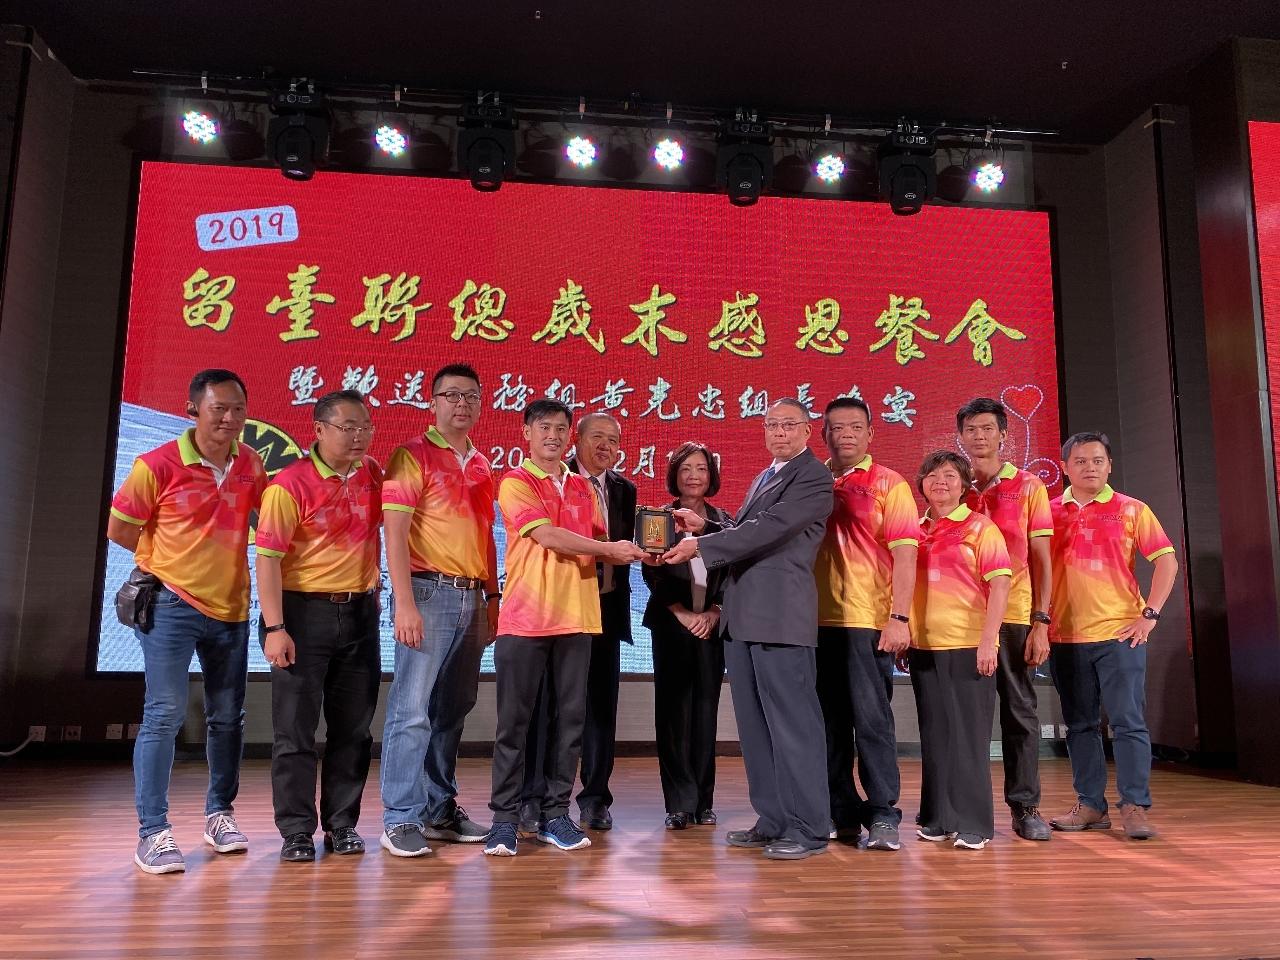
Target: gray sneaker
(221,833)
(456,828)
(159,854)
(882,836)
(405,840)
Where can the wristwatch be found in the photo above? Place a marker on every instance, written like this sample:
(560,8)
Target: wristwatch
(276,629)
(900,617)
(493,596)
(1148,613)
(1039,616)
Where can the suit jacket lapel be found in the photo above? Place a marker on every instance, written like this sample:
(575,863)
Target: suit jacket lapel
(777,478)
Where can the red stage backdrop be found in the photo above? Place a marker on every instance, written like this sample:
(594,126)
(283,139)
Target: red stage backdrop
(1264,149)
(677,312)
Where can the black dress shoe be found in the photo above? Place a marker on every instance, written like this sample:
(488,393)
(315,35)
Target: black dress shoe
(677,821)
(705,818)
(531,819)
(599,819)
(298,848)
(343,840)
(791,850)
(747,838)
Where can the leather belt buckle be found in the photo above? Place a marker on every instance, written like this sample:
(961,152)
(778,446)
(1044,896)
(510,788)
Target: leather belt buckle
(341,597)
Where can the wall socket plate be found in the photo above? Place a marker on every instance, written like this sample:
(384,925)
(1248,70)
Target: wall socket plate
(115,731)
(36,734)
(71,732)
(1046,731)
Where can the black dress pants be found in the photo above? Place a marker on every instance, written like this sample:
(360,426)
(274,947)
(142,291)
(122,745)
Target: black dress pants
(688,674)
(1019,719)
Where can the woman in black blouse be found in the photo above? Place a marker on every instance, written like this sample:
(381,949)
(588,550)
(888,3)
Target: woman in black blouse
(688,657)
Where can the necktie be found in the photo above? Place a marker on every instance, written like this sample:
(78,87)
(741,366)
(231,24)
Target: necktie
(768,475)
(603,570)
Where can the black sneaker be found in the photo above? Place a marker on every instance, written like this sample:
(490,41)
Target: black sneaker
(456,828)
(531,819)
(1029,825)
(883,836)
(405,840)
(563,833)
(502,840)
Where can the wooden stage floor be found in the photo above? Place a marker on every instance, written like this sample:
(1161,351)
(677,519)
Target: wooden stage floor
(1209,887)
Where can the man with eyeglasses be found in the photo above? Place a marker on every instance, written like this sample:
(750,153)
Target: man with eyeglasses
(769,622)
(318,569)
(437,503)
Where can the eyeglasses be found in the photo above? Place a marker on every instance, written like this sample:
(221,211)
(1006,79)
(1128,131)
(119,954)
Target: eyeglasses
(453,396)
(788,425)
(350,431)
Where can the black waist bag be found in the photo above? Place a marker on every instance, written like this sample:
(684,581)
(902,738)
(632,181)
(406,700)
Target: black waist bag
(136,599)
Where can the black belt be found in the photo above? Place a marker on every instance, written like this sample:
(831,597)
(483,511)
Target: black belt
(459,583)
(348,596)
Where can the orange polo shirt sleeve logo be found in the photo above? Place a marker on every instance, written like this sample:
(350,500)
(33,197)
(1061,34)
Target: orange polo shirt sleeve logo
(548,593)
(959,556)
(195,533)
(322,526)
(1095,547)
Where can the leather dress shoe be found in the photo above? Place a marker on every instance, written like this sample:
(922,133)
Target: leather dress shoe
(597,819)
(343,840)
(531,819)
(298,848)
(785,849)
(705,818)
(677,821)
(747,838)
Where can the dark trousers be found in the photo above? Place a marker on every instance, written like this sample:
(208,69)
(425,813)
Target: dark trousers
(337,670)
(1019,719)
(522,663)
(1108,675)
(688,673)
(955,705)
(775,700)
(601,720)
(855,688)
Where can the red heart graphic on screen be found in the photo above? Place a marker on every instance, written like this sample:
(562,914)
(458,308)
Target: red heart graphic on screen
(1022,401)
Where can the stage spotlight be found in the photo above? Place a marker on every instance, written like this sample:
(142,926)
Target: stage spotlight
(830,168)
(241,138)
(298,136)
(988,177)
(744,160)
(908,176)
(792,174)
(619,161)
(200,127)
(581,152)
(487,144)
(668,154)
(953,183)
(390,140)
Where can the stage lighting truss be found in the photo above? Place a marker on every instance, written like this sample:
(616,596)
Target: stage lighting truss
(390,140)
(200,127)
(668,154)
(830,168)
(581,152)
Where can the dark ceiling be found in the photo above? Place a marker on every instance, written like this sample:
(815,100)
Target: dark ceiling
(1083,67)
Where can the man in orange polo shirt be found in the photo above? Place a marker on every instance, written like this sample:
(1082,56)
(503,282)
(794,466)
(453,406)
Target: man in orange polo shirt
(184,512)
(866,575)
(437,505)
(1099,633)
(318,567)
(1019,505)
(555,529)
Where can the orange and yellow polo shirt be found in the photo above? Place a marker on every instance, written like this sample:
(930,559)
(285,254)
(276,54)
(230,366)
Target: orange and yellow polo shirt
(1095,594)
(451,503)
(1017,502)
(873,513)
(959,556)
(195,532)
(323,526)
(547,593)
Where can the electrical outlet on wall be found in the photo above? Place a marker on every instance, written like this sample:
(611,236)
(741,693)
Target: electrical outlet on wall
(36,733)
(115,731)
(71,732)
(1046,731)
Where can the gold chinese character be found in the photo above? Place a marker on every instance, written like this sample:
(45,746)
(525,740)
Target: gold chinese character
(899,325)
(484,319)
(209,294)
(299,303)
(740,329)
(651,314)
(571,313)
(981,326)
(383,305)
(819,330)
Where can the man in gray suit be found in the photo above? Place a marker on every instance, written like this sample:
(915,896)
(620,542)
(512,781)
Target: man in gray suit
(769,620)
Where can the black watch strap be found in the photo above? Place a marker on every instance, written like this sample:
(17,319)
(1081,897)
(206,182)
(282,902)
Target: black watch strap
(1039,616)
(275,629)
(1150,614)
(900,617)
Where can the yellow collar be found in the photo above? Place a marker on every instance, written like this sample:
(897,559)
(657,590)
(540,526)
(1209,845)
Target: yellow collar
(863,464)
(435,436)
(958,515)
(1104,496)
(541,474)
(326,471)
(187,448)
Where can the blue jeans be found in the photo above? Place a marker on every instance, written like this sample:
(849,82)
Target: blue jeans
(432,691)
(178,631)
(1090,677)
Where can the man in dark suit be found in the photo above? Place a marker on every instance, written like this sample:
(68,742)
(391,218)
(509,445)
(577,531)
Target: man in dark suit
(769,620)
(598,441)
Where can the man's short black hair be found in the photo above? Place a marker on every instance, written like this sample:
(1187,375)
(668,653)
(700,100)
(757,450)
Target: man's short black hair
(941,458)
(1086,436)
(846,403)
(211,378)
(454,370)
(981,405)
(682,453)
(326,404)
(546,408)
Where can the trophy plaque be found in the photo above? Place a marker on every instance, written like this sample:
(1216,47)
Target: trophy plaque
(655,529)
